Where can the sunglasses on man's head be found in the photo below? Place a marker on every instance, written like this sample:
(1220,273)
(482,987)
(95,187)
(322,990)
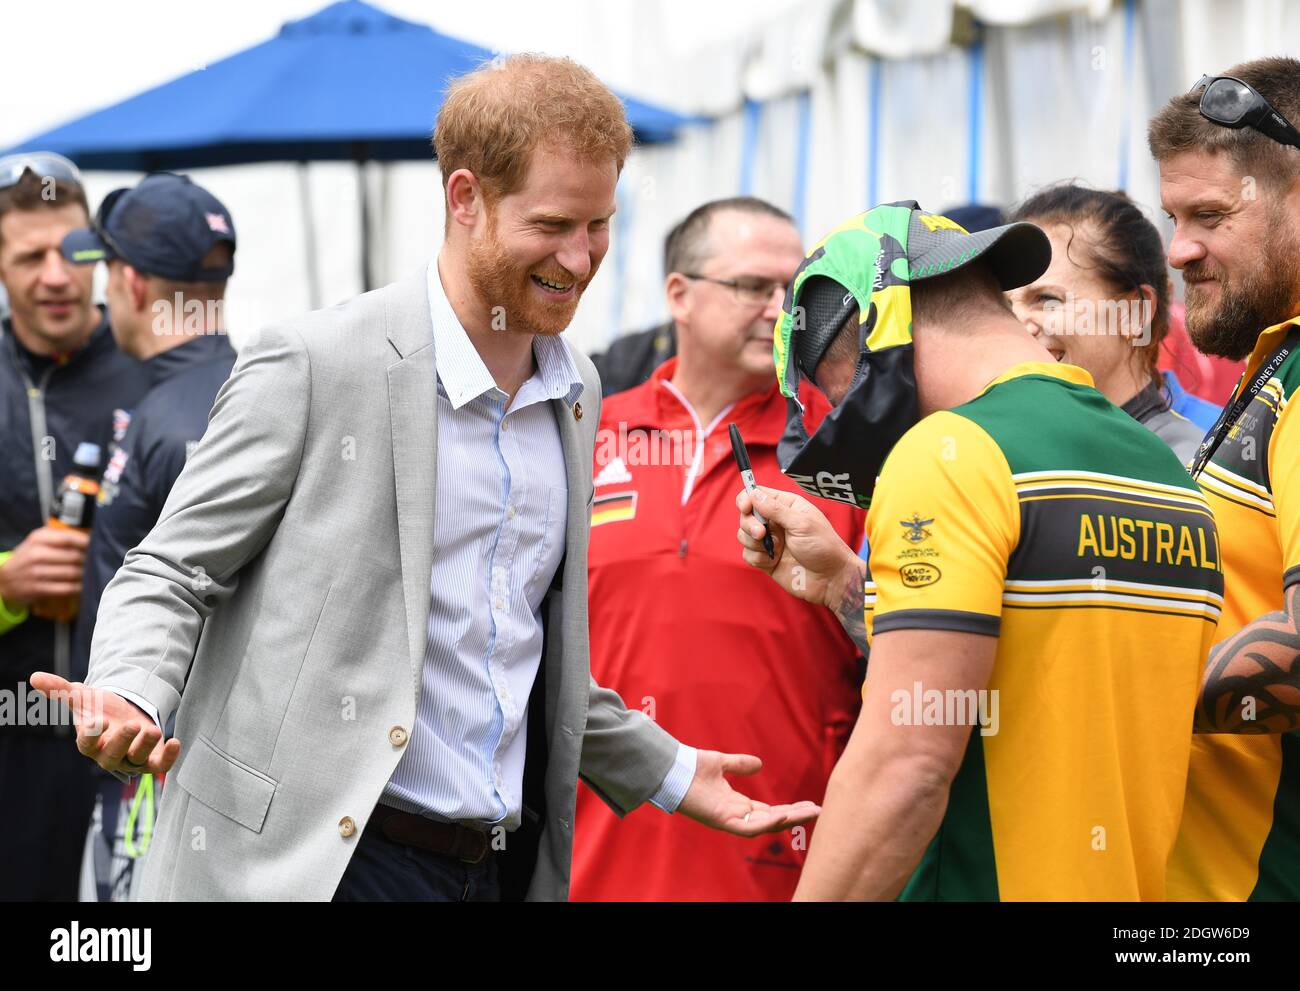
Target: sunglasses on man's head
(1229,102)
(42,164)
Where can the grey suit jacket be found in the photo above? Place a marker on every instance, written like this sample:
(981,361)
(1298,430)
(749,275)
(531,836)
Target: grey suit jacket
(280,606)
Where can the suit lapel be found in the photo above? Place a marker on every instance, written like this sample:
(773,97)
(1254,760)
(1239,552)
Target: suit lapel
(413,409)
(577,470)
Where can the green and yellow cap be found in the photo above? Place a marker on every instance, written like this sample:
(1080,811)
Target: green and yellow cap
(869,262)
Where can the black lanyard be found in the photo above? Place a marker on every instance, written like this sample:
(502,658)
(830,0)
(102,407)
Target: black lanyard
(1232,412)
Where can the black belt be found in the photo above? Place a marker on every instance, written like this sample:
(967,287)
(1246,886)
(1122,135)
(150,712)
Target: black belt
(447,838)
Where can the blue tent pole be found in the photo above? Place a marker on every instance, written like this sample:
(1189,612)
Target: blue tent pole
(802,146)
(975,119)
(1126,81)
(753,114)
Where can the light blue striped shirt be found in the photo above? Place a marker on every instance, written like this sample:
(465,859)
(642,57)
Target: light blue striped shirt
(499,529)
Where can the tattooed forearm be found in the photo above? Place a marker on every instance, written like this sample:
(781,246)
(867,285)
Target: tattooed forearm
(850,611)
(1252,681)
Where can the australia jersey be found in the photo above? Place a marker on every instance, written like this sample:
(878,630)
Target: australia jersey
(1041,514)
(1241,828)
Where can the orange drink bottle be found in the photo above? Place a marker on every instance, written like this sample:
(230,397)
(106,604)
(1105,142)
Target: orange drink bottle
(74,506)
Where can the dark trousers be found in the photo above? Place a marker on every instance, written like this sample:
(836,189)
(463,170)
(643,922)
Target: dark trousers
(384,871)
(47,794)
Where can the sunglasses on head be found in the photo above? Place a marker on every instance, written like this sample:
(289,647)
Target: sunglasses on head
(42,164)
(1229,102)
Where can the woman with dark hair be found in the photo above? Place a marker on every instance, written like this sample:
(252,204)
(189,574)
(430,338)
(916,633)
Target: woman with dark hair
(1103,304)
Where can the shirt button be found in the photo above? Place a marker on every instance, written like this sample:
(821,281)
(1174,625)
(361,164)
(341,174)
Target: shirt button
(504,424)
(510,512)
(397,736)
(499,603)
(347,826)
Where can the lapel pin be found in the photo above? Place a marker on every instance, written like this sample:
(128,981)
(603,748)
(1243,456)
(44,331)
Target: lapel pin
(577,411)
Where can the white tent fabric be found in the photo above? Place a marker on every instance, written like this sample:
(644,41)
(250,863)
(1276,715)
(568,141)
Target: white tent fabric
(1005,12)
(822,109)
(899,29)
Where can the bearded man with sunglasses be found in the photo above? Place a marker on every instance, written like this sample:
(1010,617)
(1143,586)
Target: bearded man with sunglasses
(1229,160)
(61,379)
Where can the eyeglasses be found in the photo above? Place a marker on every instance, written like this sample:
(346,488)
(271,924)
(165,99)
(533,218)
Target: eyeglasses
(42,164)
(751,292)
(1229,102)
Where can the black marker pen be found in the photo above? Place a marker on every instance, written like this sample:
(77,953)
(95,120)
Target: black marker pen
(747,475)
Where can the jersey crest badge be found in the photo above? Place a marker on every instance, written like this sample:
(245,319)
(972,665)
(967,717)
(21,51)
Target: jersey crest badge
(914,530)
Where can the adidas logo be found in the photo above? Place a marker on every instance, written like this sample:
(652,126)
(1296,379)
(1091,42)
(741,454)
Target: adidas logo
(614,473)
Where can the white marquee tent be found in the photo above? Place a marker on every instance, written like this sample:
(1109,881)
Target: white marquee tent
(821,106)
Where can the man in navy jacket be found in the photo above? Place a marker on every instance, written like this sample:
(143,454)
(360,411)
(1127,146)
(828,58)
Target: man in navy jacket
(61,378)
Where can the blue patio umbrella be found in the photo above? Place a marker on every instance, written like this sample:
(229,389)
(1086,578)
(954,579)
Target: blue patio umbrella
(348,83)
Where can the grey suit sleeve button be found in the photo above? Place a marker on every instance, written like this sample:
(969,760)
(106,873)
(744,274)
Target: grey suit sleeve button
(398,736)
(347,827)
(564,823)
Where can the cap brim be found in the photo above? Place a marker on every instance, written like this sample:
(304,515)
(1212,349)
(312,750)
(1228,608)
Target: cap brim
(84,247)
(1018,254)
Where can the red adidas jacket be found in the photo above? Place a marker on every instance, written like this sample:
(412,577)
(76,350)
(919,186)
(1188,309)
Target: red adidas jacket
(711,648)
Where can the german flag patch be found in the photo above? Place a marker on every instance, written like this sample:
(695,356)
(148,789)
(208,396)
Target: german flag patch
(612,507)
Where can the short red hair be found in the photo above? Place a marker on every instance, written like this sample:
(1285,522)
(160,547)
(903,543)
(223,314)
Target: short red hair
(495,117)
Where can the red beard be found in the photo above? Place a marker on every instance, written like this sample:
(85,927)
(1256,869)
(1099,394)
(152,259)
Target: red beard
(514,302)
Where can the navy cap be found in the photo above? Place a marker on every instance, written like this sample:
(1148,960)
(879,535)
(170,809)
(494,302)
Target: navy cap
(164,226)
(976,217)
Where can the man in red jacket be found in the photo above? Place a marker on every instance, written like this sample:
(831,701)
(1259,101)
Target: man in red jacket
(680,626)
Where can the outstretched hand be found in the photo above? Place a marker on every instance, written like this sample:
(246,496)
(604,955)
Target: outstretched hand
(712,801)
(111,731)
